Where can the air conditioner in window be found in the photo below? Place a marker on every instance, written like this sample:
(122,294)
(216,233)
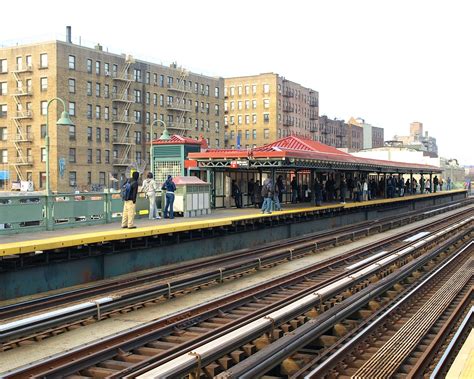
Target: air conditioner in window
(72,183)
(107,73)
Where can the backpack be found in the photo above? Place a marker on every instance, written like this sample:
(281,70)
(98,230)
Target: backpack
(265,190)
(125,193)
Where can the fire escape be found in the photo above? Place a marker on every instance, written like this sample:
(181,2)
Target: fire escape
(178,105)
(21,136)
(122,100)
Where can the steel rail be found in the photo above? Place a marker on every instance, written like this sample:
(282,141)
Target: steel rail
(264,360)
(211,351)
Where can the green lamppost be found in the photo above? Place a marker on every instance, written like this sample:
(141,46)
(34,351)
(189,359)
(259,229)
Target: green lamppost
(66,121)
(164,136)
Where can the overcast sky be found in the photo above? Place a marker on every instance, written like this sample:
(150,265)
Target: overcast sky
(389,62)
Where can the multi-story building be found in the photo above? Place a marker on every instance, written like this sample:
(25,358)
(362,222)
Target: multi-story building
(262,108)
(417,140)
(373,136)
(333,132)
(112,99)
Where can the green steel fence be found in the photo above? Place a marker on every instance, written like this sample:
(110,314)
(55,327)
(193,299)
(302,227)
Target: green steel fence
(22,213)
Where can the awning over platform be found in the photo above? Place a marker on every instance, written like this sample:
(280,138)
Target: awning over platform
(298,153)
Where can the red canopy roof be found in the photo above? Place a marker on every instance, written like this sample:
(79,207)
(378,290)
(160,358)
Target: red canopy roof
(176,140)
(294,147)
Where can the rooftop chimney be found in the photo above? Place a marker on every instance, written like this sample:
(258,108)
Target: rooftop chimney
(68,34)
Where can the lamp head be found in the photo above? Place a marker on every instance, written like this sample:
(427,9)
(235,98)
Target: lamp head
(165,135)
(65,120)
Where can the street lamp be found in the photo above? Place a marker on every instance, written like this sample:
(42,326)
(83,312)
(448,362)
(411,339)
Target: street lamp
(164,136)
(66,121)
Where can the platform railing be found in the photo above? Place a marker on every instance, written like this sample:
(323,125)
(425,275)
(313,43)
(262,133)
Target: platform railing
(27,212)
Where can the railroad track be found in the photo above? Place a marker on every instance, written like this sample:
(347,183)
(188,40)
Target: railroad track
(135,293)
(305,295)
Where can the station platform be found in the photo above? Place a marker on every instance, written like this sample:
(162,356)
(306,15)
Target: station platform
(463,365)
(38,242)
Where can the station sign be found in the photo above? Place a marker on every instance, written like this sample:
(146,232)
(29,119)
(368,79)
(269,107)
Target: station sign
(239,163)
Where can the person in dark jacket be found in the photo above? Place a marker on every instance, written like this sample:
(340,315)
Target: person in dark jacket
(294,190)
(128,214)
(318,192)
(236,194)
(169,187)
(343,190)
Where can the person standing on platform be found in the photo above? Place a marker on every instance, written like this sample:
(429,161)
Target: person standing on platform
(294,190)
(281,188)
(441,182)
(129,196)
(358,190)
(169,187)
(277,195)
(343,190)
(350,187)
(267,195)
(258,194)
(318,192)
(448,185)
(365,189)
(236,194)
(422,184)
(149,187)
(251,191)
(435,183)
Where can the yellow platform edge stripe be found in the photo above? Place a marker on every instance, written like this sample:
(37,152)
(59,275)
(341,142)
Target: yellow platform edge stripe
(51,243)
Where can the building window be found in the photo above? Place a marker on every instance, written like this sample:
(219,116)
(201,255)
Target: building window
(72,62)
(266,118)
(89,133)
(72,155)
(4,156)
(44,106)
(106,91)
(72,178)
(89,89)
(266,133)
(107,69)
(162,80)
(3,88)
(155,79)
(137,75)
(206,92)
(239,119)
(147,78)
(3,134)
(97,89)
(138,117)
(98,156)
(254,89)
(147,98)
(72,108)
(216,92)
(97,67)
(97,112)
(266,103)
(266,88)
(89,66)
(232,91)
(107,156)
(138,96)
(239,90)
(106,113)
(89,155)
(254,104)
(247,90)
(254,133)
(89,177)
(107,135)
(43,130)
(89,111)
(72,86)
(72,132)
(3,65)
(247,119)
(43,60)
(102,178)
(254,119)
(43,84)
(138,138)
(162,100)
(98,135)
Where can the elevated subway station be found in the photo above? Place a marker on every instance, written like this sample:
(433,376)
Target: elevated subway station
(305,160)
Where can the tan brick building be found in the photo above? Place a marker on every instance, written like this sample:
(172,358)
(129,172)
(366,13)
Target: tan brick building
(262,108)
(112,100)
